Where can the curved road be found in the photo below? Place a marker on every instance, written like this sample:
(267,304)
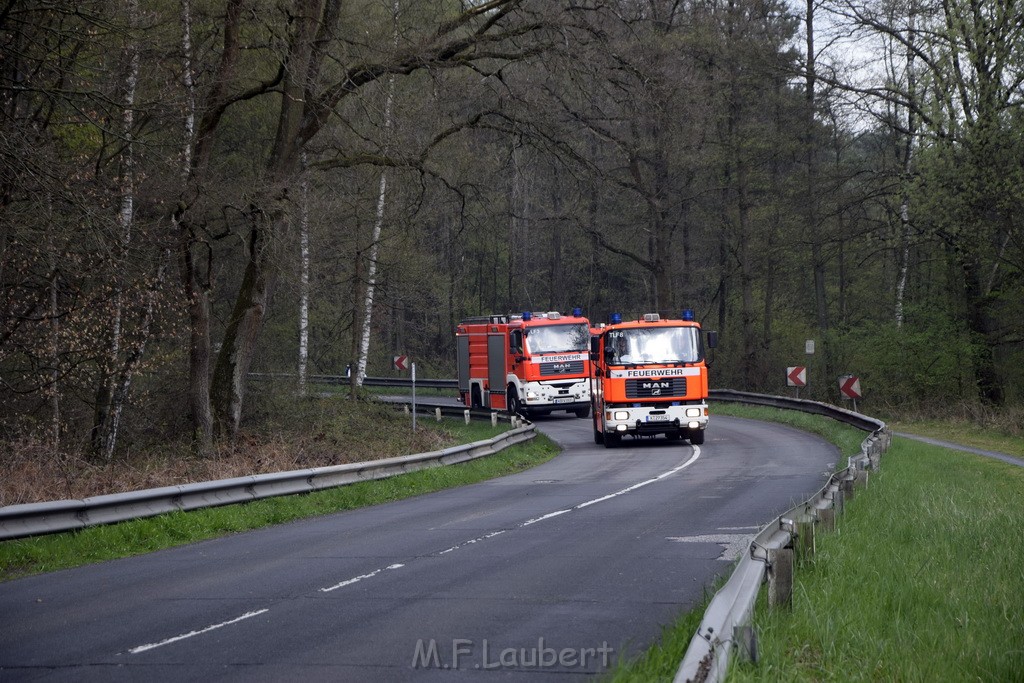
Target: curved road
(560,569)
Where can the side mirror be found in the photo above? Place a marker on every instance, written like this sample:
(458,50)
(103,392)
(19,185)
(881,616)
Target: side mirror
(712,343)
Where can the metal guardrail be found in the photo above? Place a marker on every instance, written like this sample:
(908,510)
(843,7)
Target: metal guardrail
(868,424)
(769,555)
(66,515)
(367,381)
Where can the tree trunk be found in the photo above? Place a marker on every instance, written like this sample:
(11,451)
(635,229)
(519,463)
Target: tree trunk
(104,430)
(378,221)
(227,390)
(303,280)
(268,221)
(908,170)
(982,325)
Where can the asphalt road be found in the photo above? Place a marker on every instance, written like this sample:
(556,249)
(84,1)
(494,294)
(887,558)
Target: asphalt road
(558,570)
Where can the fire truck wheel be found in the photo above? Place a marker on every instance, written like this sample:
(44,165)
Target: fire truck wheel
(515,406)
(582,412)
(696,437)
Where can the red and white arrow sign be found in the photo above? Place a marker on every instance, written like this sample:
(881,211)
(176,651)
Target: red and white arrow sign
(850,386)
(796,377)
(401,362)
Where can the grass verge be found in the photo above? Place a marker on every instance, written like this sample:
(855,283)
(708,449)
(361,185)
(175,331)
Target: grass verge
(60,551)
(921,582)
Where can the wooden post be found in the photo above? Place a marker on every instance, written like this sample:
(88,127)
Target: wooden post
(805,538)
(780,577)
(827,518)
(847,488)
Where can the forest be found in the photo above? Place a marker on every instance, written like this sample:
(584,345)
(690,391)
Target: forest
(195,191)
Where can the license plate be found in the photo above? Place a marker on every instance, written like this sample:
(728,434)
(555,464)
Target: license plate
(567,399)
(657,418)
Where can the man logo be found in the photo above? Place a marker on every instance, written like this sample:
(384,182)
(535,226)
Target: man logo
(655,388)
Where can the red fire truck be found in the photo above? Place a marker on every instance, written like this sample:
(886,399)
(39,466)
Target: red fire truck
(530,364)
(650,377)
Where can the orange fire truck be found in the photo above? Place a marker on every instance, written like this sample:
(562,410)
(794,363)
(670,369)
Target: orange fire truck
(530,364)
(650,377)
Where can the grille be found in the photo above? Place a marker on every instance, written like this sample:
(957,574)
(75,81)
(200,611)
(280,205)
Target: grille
(574,367)
(656,387)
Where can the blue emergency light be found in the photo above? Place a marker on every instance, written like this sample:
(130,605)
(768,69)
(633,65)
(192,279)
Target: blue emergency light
(687,314)
(616,318)
(577,312)
(527,315)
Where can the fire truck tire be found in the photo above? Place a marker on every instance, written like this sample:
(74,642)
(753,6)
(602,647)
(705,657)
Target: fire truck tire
(582,412)
(515,406)
(696,437)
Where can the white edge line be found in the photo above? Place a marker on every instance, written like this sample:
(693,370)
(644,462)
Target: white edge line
(183,636)
(556,513)
(357,579)
(634,487)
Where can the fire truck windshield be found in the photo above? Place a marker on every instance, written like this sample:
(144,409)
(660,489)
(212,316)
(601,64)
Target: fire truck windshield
(638,346)
(558,338)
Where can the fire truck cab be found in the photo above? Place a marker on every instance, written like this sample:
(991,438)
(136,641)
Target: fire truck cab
(650,377)
(531,364)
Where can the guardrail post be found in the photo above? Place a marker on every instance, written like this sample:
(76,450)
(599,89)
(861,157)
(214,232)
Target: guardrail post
(878,445)
(847,487)
(805,537)
(780,577)
(827,515)
(494,419)
(838,499)
(465,416)
(437,414)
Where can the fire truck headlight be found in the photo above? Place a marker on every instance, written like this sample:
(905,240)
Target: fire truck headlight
(620,415)
(620,428)
(530,393)
(693,412)
(695,425)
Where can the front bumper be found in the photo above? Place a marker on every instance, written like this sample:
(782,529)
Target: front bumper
(538,396)
(655,419)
